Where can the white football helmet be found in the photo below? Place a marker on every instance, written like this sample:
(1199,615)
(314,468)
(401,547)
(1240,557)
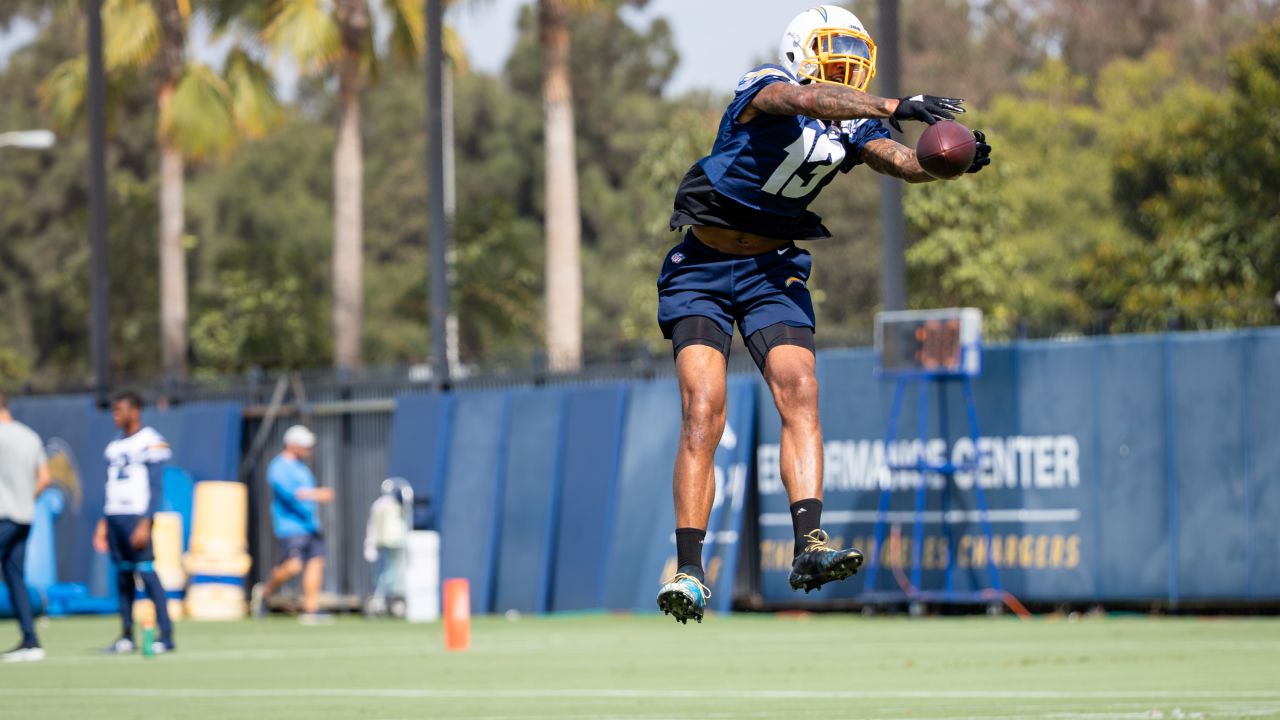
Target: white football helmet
(828,44)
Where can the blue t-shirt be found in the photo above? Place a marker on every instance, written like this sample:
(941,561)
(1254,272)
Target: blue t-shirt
(289,515)
(770,169)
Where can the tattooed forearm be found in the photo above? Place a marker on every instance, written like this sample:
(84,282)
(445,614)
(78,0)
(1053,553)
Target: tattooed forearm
(821,101)
(896,160)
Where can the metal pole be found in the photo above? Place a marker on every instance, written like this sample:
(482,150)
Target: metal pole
(893,264)
(450,211)
(437,227)
(100,323)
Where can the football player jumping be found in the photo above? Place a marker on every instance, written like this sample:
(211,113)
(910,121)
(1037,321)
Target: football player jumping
(787,130)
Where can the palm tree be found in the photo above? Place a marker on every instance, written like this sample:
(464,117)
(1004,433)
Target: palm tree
(563,227)
(337,38)
(200,113)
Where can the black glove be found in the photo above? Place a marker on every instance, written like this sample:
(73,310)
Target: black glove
(925,108)
(982,157)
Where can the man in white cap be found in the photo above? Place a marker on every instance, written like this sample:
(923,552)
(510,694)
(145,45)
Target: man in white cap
(297,528)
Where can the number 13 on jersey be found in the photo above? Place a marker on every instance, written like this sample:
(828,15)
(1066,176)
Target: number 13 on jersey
(810,159)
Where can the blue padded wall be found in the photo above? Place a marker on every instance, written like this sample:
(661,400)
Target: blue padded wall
(531,491)
(1211,511)
(1166,442)
(1055,394)
(419,447)
(592,445)
(179,497)
(641,545)
(470,514)
(1261,407)
(205,438)
(734,461)
(1132,552)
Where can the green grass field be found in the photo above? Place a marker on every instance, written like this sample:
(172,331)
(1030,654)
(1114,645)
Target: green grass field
(622,666)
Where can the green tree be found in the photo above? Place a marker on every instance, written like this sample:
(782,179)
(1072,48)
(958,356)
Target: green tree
(970,255)
(199,114)
(262,294)
(44,258)
(1194,179)
(1010,239)
(337,39)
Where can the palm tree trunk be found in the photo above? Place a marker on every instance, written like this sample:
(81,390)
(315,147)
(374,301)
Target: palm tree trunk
(173,259)
(348,222)
(348,189)
(563,229)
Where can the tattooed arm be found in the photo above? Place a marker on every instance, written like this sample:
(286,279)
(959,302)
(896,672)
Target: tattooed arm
(817,100)
(891,158)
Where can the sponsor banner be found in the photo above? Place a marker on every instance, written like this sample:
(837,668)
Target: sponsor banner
(1118,468)
(932,539)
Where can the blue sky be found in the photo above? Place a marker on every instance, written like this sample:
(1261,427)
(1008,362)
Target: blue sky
(718,40)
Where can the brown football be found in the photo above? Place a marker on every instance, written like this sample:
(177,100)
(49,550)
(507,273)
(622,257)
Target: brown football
(946,149)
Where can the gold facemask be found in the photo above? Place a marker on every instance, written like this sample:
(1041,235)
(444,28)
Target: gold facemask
(840,56)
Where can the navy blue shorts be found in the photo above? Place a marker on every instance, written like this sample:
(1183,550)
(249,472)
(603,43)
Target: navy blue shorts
(753,291)
(302,547)
(119,531)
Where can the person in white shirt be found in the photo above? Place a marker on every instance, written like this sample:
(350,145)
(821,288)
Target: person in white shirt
(135,468)
(24,474)
(385,536)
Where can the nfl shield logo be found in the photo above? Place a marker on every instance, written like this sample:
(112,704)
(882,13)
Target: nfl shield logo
(677,258)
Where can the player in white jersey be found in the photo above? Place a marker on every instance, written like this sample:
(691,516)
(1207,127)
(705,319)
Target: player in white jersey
(135,466)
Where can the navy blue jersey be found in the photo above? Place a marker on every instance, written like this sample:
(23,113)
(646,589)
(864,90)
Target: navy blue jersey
(761,176)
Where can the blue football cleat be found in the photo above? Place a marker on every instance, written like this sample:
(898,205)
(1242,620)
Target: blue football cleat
(683,597)
(819,564)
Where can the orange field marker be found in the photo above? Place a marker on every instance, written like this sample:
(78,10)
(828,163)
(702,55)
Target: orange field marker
(457,614)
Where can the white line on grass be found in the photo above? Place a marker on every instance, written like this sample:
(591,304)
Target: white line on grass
(296,653)
(646,693)
(1145,714)
(1055,715)
(770,715)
